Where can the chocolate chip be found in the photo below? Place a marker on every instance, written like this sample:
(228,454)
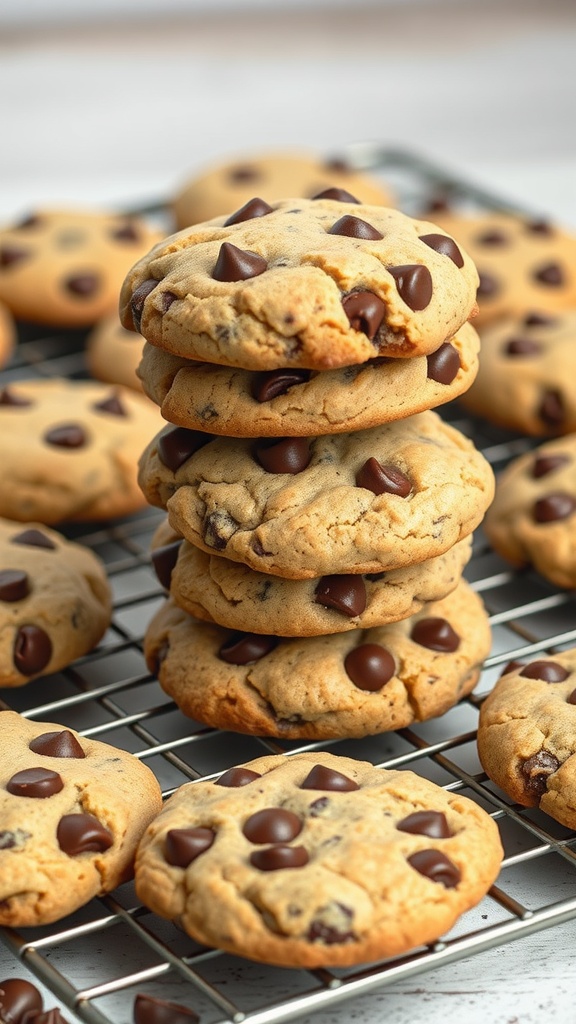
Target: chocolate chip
(34,539)
(266,386)
(572,698)
(253,208)
(111,405)
(328,933)
(436,634)
(177,445)
(139,295)
(549,671)
(31,220)
(82,833)
(234,264)
(539,227)
(354,227)
(276,858)
(369,666)
(272,825)
(444,245)
(11,398)
(443,364)
(57,744)
(246,648)
(283,455)
(551,409)
(340,195)
(492,237)
(11,255)
(164,559)
(244,172)
(219,526)
(539,320)
(554,507)
(32,650)
(544,464)
(320,777)
(536,770)
(414,284)
(381,479)
(522,347)
(512,666)
(84,286)
(18,997)
(52,1016)
(149,1010)
(436,866)
(126,233)
(38,783)
(14,585)
(345,594)
(488,287)
(365,312)
(235,777)
(183,845)
(550,274)
(9,839)
(317,807)
(67,435)
(426,823)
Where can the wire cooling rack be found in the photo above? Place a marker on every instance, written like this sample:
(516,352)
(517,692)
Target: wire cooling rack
(97,960)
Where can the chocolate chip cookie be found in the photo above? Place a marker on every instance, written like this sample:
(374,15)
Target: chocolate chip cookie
(72,811)
(533,518)
(300,508)
(55,601)
(113,353)
(313,860)
(311,283)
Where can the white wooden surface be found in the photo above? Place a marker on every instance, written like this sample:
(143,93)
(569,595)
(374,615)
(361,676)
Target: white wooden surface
(119,113)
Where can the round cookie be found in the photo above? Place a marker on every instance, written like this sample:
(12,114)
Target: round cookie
(532,520)
(64,267)
(113,354)
(524,382)
(69,449)
(215,589)
(323,687)
(72,812)
(228,185)
(314,860)
(55,601)
(527,735)
(313,283)
(364,502)
(241,403)
(7,334)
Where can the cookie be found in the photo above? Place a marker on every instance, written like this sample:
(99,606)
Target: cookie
(323,687)
(113,354)
(300,508)
(241,403)
(216,589)
(228,185)
(527,735)
(7,334)
(314,860)
(524,382)
(532,520)
(313,283)
(72,812)
(64,267)
(55,601)
(69,449)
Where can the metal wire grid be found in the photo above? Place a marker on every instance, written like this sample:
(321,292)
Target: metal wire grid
(99,958)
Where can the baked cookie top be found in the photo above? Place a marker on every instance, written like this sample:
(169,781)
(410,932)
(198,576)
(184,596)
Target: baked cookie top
(69,449)
(532,520)
(113,354)
(527,735)
(72,810)
(314,283)
(363,502)
(322,687)
(312,859)
(524,381)
(64,267)
(55,601)
(243,403)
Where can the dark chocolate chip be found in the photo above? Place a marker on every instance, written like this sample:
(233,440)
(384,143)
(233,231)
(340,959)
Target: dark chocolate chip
(83,286)
(31,220)
(127,232)
(38,783)
(219,526)
(551,409)
(522,347)
(32,650)
(381,479)
(549,671)
(111,405)
(9,839)
(492,237)
(52,1016)
(512,666)
(550,274)
(536,770)
(183,845)
(414,284)
(539,320)
(554,507)
(11,398)
(253,208)
(266,386)
(57,744)
(345,594)
(272,825)
(544,464)
(18,997)
(34,539)
(444,245)
(426,823)
(139,296)
(283,455)
(369,666)
(82,833)
(245,648)
(67,435)
(340,195)
(572,698)
(235,777)
(436,634)
(11,255)
(320,777)
(539,227)
(330,934)
(14,585)
(164,559)
(276,858)
(443,364)
(365,312)
(436,866)
(244,172)
(177,445)
(149,1010)
(488,287)
(354,227)
(234,264)
(317,807)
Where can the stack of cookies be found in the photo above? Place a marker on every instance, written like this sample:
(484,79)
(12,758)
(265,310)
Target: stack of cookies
(319,512)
